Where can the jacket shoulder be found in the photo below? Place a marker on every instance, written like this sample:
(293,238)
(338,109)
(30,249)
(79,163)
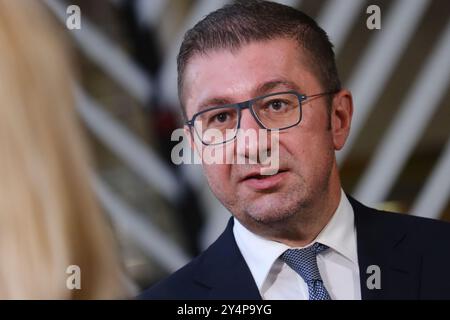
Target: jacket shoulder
(184,284)
(425,234)
(220,272)
(180,285)
(419,227)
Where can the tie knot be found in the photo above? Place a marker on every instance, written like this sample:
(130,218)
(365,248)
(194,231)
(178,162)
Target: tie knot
(304,261)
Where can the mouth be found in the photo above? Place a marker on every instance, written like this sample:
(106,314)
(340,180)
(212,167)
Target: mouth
(260,182)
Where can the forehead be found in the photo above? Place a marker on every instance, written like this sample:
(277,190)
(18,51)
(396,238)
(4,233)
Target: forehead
(237,74)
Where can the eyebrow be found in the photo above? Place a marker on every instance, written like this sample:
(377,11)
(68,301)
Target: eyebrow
(270,85)
(214,102)
(260,91)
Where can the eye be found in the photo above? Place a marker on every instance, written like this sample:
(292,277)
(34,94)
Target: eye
(221,117)
(275,105)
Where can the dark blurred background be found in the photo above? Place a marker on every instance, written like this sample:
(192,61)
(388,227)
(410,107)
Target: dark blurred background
(398,157)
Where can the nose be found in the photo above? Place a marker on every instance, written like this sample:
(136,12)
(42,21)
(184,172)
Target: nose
(248,121)
(249,144)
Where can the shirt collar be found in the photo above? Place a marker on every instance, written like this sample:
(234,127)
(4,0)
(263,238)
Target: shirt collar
(260,253)
(340,232)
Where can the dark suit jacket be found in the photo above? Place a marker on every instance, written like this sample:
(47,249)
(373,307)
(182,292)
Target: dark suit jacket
(413,255)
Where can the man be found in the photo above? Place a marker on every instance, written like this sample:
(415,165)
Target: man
(295,234)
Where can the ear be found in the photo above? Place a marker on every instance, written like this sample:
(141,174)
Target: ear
(341,117)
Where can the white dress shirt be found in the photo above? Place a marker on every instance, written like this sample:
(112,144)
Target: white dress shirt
(338,265)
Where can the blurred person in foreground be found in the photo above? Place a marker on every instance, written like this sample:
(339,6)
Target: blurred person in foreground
(295,234)
(49,217)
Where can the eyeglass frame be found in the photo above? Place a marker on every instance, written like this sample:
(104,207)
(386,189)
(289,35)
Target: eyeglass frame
(240,106)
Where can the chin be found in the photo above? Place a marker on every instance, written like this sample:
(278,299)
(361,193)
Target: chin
(273,209)
(271,219)
(264,212)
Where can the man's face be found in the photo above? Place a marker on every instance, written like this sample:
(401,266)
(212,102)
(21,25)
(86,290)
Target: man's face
(306,151)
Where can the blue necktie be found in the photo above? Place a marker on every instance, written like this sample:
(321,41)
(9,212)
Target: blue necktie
(304,262)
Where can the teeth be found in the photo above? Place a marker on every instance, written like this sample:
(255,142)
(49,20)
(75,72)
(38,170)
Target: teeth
(269,171)
(265,174)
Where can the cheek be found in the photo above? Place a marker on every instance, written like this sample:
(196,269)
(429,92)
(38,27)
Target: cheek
(312,136)
(315,118)
(218,177)
(310,151)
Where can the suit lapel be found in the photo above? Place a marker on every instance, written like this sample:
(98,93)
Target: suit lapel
(383,242)
(224,271)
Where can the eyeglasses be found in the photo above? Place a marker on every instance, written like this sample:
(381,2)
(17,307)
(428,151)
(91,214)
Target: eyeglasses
(276,111)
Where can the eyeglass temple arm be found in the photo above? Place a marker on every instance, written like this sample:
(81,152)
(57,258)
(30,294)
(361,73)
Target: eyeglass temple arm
(319,94)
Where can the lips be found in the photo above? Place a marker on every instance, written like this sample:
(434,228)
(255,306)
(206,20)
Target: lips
(260,182)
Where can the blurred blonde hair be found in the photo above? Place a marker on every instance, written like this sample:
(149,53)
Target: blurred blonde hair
(49,218)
